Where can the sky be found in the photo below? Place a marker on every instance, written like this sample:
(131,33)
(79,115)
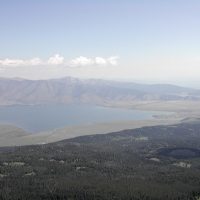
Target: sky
(138,40)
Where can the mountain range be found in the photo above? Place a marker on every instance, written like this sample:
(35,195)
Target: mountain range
(73,90)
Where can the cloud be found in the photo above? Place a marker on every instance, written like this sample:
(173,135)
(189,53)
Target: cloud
(56,60)
(81,61)
(85,61)
(20,62)
(36,61)
(113,60)
(53,60)
(12,62)
(100,61)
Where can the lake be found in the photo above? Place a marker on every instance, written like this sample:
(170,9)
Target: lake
(38,118)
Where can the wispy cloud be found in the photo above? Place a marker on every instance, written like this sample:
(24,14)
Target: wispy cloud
(12,62)
(57,59)
(85,61)
(81,61)
(113,60)
(53,60)
(35,61)
(20,62)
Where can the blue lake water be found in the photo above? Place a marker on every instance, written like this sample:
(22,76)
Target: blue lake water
(46,117)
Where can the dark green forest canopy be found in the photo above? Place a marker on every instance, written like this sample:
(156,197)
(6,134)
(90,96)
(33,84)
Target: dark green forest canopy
(160,162)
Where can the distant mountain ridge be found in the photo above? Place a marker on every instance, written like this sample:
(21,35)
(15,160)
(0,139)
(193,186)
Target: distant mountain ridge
(73,90)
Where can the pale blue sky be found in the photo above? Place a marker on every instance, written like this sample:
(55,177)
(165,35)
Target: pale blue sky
(143,33)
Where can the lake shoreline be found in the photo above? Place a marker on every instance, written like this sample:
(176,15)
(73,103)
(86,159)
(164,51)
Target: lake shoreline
(82,130)
(71,131)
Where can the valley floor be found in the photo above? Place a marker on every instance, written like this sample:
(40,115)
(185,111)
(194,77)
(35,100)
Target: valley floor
(182,111)
(13,136)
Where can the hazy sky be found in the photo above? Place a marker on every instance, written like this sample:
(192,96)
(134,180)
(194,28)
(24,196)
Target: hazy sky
(114,39)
